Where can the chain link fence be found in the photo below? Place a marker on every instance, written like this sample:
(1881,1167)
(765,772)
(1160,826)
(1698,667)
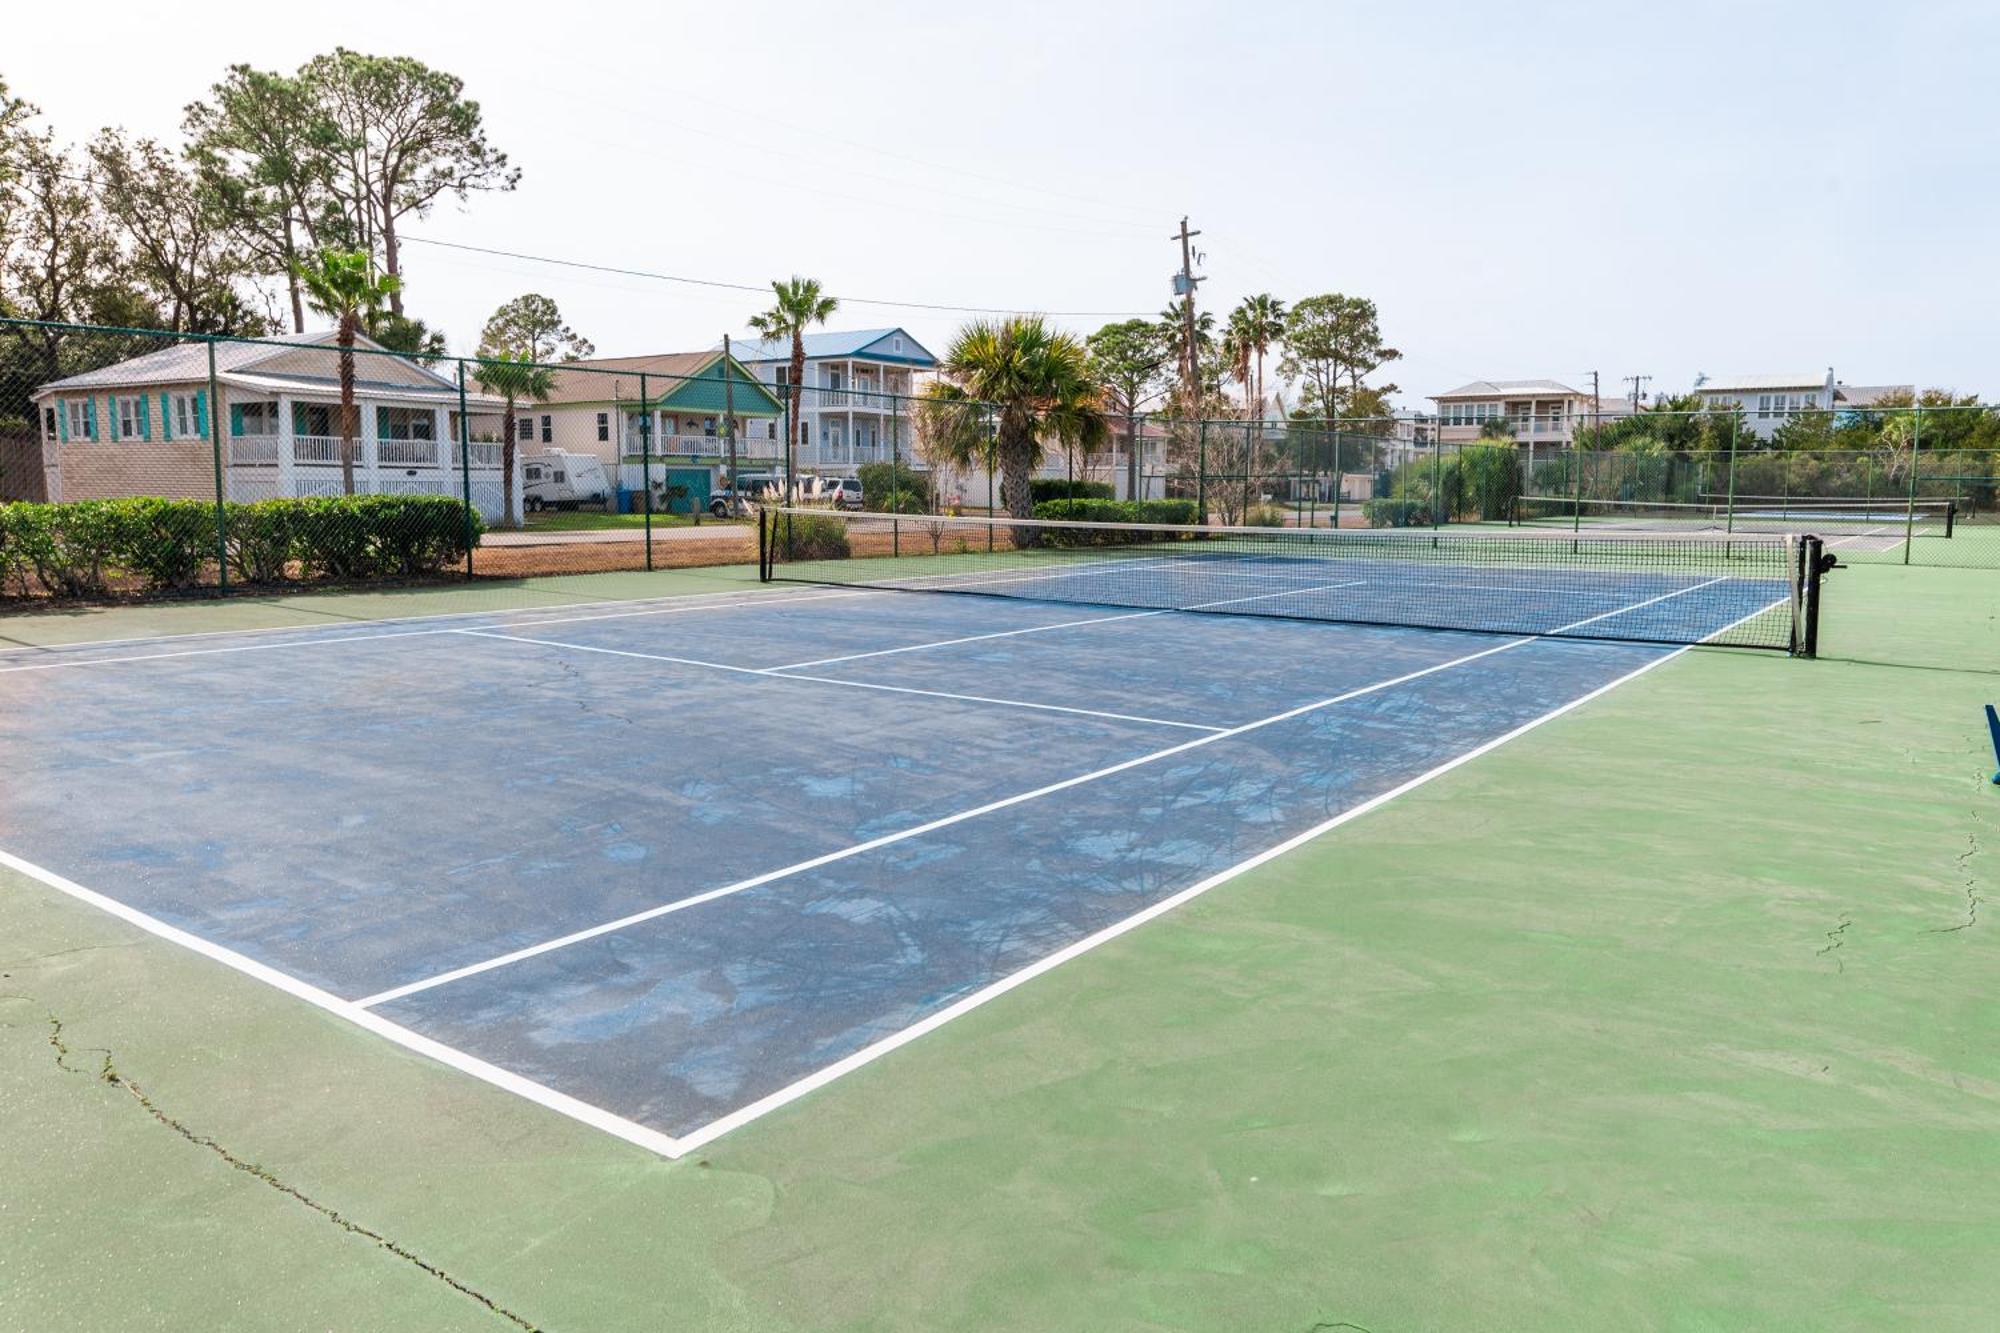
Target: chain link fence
(136,462)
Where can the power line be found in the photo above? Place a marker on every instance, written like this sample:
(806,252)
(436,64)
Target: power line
(761,288)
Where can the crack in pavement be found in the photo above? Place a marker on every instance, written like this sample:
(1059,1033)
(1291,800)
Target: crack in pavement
(109,1074)
(1972,896)
(1834,941)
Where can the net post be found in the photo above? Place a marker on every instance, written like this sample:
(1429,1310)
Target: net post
(1950,516)
(1811,568)
(1916,456)
(646,465)
(465,465)
(763,545)
(215,453)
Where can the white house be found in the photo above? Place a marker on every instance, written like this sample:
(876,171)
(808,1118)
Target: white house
(855,404)
(1768,401)
(143,426)
(1537,412)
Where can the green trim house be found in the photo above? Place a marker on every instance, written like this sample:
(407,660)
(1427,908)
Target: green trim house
(671,405)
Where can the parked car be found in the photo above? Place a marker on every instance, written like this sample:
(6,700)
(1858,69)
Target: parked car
(748,488)
(842,492)
(559,479)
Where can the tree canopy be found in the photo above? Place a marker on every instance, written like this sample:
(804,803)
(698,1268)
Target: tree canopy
(532,327)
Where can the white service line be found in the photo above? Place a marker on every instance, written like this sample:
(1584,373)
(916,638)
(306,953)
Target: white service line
(597,1117)
(1266,596)
(969,638)
(779,673)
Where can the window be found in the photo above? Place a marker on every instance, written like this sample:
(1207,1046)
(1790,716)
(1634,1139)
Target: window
(254,418)
(79,418)
(548,429)
(312,419)
(708,427)
(1812,402)
(1763,405)
(603,425)
(525,429)
(182,419)
(49,422)
(131,416)
(405,423)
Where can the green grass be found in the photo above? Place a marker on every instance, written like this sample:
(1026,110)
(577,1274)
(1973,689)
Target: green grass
(1675,1013)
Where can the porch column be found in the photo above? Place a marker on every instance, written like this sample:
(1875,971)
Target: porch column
(287,463)
(440,432)
(371,452)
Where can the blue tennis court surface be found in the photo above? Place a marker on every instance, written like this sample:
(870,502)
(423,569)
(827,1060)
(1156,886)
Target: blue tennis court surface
(670,860)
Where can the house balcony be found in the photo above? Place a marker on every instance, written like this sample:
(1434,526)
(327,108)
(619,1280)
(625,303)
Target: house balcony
(324,451)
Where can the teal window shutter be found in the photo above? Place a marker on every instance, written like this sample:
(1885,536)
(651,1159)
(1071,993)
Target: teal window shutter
(111,416)
(62,421)
(145,407)
(235,420)
(90,418)
(166,417)
(201,411)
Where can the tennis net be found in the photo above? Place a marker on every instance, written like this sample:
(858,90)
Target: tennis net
(1756,591)
(1882,517)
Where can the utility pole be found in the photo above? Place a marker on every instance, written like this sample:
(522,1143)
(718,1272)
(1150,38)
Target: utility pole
(1184,285)
(1638,383)
(729,421)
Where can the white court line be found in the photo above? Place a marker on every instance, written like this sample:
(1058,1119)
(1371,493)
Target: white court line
(779,673)
(969,638)
(409,634)
(1265,596)
(888,839)
(347,622)
(560,1102)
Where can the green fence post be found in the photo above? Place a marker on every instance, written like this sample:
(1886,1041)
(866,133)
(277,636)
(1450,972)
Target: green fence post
(895,491)
(215,452)
(1437,477)
(992,492)
(1201,471)
(646,464)
(1576,489)
(1916,456)
(1729,522)
(465,465)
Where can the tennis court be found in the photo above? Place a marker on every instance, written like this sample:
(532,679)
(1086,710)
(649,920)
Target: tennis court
(666,866)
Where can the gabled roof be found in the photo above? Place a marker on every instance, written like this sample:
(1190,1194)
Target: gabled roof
(683,380)
(289,363)
(1509,389)
(1762,383)
(875,344)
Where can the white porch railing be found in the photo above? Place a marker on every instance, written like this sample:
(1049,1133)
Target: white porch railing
(321,449)
(409,451)
(253,449)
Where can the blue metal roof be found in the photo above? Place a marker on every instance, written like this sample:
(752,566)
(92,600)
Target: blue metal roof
(836,343)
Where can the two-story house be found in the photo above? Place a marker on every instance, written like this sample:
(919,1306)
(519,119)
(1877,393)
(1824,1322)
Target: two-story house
(856,394)
(1768,401)
(1536,412)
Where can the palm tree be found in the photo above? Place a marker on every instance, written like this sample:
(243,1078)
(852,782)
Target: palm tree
(1260,321)
(342,285)
(517,380)
(1035,380)
(800,305)
(1173,325)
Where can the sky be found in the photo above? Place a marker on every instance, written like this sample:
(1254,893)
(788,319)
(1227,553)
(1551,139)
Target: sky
(1530,190)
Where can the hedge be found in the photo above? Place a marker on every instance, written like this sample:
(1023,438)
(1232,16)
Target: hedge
(1041,490)
(1396,513)
(1180,512)
(84,548)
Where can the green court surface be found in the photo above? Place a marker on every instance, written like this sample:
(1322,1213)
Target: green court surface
(1677,1012)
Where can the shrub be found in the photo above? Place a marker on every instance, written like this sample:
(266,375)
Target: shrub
(1042,490)
(810,537)
(891,488)
(69,547)
(263,539)
(165,542)
(1264,516)
(1178,512)
(1396,513)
